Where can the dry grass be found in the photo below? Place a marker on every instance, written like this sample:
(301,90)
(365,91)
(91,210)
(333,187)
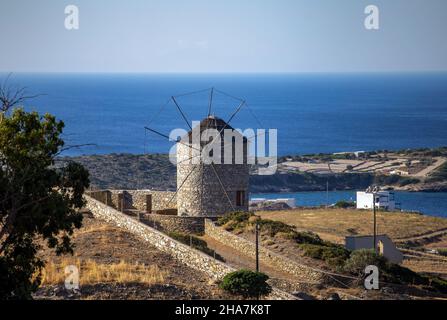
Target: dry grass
(440,243)
(116,264)
(426,265)
(91,272)
(335,224)
(95,228)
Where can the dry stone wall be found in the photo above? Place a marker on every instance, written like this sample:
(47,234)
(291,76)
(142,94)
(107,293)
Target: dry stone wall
(170,223)
(182,252)
(136,199)
(302,272)
(185,254)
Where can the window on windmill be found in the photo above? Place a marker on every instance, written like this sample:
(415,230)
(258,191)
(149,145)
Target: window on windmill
(240,198)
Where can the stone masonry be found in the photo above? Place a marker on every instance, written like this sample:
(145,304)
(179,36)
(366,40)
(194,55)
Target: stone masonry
(191,257)
(302,272)
(211,189)
(171,223)
(146,201)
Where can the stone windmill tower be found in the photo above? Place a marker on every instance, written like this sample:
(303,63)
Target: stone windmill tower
(207,188)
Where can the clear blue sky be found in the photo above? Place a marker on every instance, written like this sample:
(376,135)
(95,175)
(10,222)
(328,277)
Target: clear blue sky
(223,36)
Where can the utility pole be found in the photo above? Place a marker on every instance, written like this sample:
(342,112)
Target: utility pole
(375,222)
(374,190)
(257,245)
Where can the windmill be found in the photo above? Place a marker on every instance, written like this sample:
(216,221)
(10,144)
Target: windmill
(206,187)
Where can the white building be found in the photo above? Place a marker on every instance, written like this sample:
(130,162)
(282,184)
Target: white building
(399,172)
(289,201)
(383,200)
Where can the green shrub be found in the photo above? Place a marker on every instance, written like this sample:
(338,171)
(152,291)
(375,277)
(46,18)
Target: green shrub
(307,237)
(274,227)
(333,255)
(437,283)
(391,273)
(439,175)
(345,204)
(394,273)
(387,180)
(246,283)
(312,250)
(442,252)
(359,259)
(195,243)
(237,219)
(407,181)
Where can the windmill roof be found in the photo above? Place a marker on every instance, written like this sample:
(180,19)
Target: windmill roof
(213,122)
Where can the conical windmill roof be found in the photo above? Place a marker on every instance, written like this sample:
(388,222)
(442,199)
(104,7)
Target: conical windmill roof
(213,122)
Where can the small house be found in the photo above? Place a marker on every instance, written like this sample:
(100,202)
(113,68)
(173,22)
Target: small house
(384,246)
(382,200)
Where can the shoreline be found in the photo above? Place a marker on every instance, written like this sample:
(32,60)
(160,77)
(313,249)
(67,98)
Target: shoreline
(428,204)
(155,171)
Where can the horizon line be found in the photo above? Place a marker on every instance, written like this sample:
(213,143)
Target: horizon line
(225,72)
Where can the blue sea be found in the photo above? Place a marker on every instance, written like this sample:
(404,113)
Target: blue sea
(313,112)
(429,203)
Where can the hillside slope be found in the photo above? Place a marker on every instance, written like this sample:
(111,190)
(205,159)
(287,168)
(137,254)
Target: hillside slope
(114,264)
(155,171)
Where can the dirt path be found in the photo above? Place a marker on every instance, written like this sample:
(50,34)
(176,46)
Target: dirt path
(426,236)
(282,280)
(418,254)
(425,172)
(239,260)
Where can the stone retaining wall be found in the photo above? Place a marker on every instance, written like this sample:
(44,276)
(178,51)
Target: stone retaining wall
(136,199)
(169,223)
(302,272)
(185,254)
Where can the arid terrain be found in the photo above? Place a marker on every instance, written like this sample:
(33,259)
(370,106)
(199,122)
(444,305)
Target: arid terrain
(412,170)
(115,264)
(417,235)
(334,224)
(286,234)
(390,163)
